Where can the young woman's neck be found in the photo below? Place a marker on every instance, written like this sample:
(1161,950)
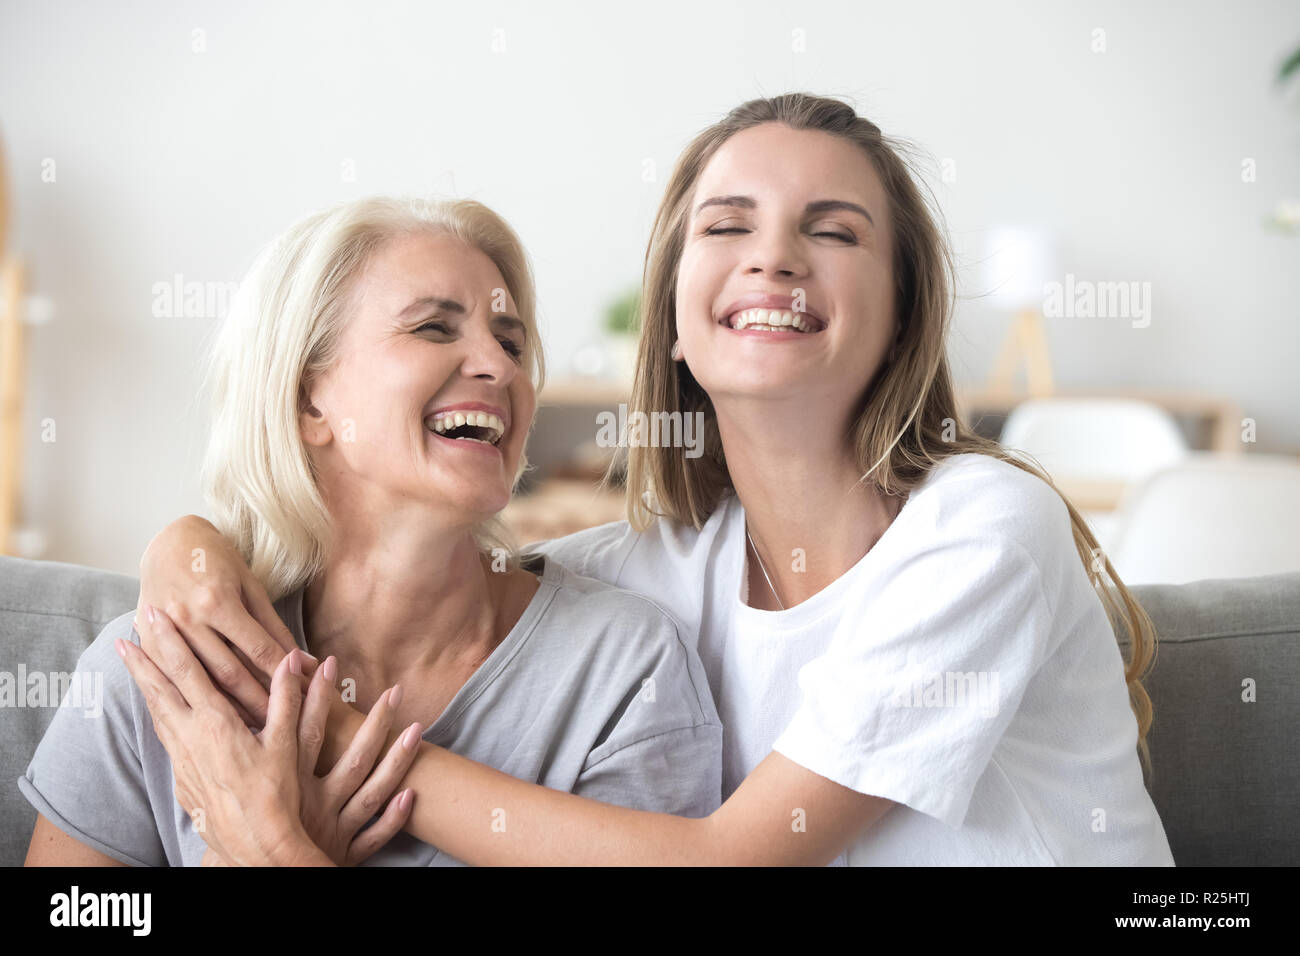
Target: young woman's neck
(399,595)
(796,477)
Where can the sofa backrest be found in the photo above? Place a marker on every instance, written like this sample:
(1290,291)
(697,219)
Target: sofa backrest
(49,614)
(1225,766)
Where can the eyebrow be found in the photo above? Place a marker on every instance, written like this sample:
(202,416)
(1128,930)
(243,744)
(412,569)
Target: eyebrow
(439,303)
(820,205)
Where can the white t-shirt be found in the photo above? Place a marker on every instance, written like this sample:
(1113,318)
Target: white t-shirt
(964,668)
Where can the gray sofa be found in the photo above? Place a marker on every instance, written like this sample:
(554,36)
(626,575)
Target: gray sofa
(1226,772)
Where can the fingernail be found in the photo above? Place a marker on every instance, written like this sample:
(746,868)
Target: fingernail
(411,736)
(295,665)
(120,646)
(404,801)
(395,696)
(330,668)
(148,610)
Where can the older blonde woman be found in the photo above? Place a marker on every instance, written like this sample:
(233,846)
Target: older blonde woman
(903,625)
(373,390)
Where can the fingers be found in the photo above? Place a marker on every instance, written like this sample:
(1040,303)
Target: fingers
(281,731)
(359,759)
(166,704)
(228,671)
(382,830)
(315,714)
(182,668)
(259,649)
(365,803)
(263,613)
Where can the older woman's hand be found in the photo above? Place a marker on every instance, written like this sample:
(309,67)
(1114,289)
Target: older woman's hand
(261,802)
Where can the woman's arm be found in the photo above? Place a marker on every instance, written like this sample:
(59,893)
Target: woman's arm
(781,815)
(50,846)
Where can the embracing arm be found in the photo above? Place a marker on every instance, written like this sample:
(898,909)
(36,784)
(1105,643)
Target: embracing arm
(780,815)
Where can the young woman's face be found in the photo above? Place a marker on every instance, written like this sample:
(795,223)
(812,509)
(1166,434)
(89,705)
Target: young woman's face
(782,219)
(433,331)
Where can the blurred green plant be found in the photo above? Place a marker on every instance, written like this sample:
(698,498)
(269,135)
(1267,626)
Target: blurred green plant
(623,315)
(1286,217)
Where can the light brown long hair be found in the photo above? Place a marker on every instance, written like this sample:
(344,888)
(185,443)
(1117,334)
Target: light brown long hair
(907,420)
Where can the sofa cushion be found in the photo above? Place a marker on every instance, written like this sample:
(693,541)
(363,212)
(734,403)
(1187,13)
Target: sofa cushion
(49,614)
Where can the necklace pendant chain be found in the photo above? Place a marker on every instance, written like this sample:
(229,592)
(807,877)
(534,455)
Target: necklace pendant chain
(762,568)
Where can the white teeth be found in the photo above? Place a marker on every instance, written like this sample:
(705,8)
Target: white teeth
(445,421)
(770,320)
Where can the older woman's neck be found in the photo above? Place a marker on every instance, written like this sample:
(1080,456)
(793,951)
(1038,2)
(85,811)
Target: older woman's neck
(411,599)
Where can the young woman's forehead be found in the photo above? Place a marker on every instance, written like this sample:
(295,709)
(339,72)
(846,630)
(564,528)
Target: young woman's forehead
(776,160)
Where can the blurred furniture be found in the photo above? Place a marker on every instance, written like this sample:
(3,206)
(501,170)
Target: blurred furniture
(1214,421)
(1094,449)
(562,506)
(1226,772)
(1212,517)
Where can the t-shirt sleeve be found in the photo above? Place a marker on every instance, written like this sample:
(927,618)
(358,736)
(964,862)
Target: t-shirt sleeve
(924,674)
(86,776)
(663,751)
(677,772)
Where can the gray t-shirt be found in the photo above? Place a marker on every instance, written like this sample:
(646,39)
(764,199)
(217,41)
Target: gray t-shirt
(594,691)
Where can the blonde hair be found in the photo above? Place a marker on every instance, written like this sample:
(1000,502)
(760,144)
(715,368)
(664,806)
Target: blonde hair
(898,435)
(282,330)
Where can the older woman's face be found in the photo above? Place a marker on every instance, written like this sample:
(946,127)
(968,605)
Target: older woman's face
(787,226)
(429,399)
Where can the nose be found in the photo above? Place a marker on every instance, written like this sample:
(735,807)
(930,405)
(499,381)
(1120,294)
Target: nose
(776,253)
(486,357)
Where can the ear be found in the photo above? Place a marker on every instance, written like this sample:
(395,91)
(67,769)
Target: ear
(311,421)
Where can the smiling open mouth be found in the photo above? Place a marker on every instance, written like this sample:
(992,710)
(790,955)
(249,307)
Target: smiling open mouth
(772,320)
(482,427)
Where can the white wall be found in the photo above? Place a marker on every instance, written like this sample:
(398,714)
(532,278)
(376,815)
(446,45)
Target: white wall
(173,161)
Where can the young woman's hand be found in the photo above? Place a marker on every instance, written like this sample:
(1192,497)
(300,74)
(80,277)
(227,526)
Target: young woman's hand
(253,790)
(194,574)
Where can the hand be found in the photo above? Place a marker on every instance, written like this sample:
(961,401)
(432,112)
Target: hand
(192,571)
(337,805)
(248,786)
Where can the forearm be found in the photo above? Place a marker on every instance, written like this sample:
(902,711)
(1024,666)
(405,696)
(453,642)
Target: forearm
(488,818)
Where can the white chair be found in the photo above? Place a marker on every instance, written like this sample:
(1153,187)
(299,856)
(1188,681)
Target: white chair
(1106,441)
(1211,517)
(1095,439)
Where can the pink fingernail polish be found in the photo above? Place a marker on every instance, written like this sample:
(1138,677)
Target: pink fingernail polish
(404,801)
(411,736)
(330,668)
(120,646)
(295,665)
(148,610)
(395,696)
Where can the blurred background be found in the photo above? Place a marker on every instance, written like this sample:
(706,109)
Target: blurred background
(1121,183)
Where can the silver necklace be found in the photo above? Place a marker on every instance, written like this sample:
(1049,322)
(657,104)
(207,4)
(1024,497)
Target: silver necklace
(763,569)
